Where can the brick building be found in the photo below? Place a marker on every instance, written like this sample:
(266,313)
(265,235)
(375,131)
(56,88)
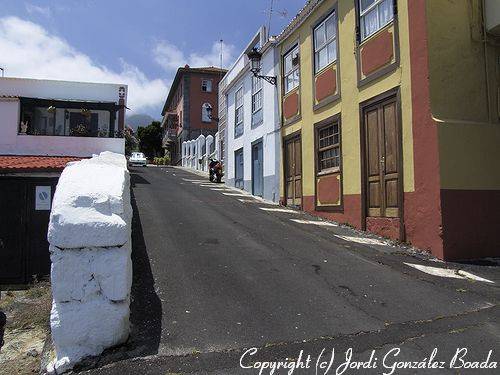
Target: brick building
(191,107)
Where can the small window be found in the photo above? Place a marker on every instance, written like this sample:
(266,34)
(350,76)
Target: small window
(291,65)
(206,85)
(206,112)
(238,121)
(374,15)
(256,101)
(329,148)
(325,43)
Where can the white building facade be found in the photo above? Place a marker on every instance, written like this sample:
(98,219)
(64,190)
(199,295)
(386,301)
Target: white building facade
(60,118)
(251,135)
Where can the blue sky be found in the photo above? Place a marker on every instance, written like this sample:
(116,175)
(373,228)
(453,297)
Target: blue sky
(140,43)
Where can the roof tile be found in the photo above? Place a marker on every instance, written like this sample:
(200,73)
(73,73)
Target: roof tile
(11,163)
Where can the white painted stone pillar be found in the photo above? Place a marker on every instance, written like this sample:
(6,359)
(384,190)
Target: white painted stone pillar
(183,163)
(208,144)
(193,153)
(190,153)
(200,142)
(217,148)
(90,245)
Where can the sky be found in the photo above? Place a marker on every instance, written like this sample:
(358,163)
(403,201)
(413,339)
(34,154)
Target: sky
(140,43)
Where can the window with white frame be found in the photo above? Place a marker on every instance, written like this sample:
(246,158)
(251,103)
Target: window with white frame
(325,43)
(374,15)
(291,65)
(238,118)
(256,101)
(205,112)
(206,85)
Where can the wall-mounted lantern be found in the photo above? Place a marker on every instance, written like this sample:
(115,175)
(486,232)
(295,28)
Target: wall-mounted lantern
(255,58)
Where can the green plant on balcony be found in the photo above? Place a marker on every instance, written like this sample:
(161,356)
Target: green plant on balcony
(79,131)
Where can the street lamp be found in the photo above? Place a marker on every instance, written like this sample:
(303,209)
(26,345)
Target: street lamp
(255,57)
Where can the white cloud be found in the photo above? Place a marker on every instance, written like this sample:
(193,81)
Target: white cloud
(29,50)
(33,9)
(170,57)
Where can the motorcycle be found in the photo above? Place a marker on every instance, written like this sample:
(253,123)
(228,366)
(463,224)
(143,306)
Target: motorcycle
(215,170)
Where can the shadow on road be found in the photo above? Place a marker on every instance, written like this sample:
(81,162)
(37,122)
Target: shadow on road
(135,179)
(145,304)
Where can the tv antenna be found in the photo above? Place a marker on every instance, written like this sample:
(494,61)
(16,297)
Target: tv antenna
(282,13)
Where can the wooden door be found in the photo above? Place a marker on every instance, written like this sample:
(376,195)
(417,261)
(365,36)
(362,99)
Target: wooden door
(382,174)
(293,171)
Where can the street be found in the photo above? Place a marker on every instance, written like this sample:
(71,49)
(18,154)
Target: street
(215,274)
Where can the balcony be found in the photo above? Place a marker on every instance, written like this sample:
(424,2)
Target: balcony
(58,127)
(46,117)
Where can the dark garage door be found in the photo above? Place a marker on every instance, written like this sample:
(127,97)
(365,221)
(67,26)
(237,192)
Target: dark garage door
(12,197)
(24,217)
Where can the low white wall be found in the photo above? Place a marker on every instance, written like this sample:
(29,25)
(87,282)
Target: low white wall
(192,152)
(62,146)
(90,244)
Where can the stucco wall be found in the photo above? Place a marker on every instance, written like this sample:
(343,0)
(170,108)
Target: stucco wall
(463,90)
(198,97)
(460,74)
(351,96)
(349,103)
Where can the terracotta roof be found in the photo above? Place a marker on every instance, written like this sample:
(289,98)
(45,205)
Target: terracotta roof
(296,21)
(11,163)
(207,69)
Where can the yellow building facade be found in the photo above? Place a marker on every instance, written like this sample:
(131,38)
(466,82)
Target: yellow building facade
(379,100)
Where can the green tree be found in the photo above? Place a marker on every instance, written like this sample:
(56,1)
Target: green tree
(150,139)
(131,142)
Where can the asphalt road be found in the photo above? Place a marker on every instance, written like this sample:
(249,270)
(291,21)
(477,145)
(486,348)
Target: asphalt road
(214,276)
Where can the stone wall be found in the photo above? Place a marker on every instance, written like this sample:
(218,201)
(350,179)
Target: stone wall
(90,244)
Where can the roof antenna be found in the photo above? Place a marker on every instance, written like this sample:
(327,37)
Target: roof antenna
(270,17)
(221,43)
(282,13)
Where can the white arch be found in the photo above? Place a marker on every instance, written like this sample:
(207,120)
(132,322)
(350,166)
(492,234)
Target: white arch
(200,142)
(209,144)
(217,144)
(184,155)
(193,153)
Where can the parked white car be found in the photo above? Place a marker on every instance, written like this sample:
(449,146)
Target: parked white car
(137,158)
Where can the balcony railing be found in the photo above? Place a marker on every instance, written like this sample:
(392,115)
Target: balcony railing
(46,117)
